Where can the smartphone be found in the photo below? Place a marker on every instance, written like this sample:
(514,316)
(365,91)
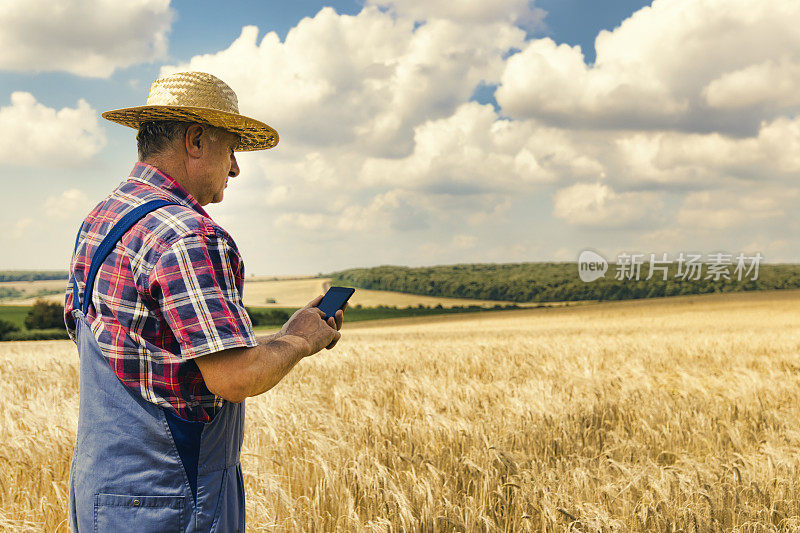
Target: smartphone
(334,300)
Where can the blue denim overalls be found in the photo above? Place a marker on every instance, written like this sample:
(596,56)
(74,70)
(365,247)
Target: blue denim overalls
(136,466)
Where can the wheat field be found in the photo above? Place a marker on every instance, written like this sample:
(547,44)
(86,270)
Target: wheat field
(664,415)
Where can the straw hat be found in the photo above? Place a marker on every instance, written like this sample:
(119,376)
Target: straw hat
(197,97)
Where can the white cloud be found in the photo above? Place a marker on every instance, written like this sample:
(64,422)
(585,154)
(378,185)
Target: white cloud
(68,205)
(474,151)
(84,37)
(520,12)
(36,135)
(347,90)
(464,241)
(20,227)
(380,126)
(361,81)
(564,254)
(294,180)
(746,217)
(773,250)
(490,212)
(771,83)
(671,158)
(722,210)
(549,80)
(396,209)
(682,133)
(597,204)
(57,217)
(470,168)
(776,149)
(686,64)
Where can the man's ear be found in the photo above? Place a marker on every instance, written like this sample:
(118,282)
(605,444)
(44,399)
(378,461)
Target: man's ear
(194,140)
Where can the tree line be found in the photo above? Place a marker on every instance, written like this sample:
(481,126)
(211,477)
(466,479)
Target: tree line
(552,282)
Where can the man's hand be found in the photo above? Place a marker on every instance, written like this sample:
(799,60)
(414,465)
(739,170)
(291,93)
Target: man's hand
(308,324)
(238,373)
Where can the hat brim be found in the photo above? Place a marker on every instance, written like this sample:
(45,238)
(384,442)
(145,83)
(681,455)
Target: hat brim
(254,134)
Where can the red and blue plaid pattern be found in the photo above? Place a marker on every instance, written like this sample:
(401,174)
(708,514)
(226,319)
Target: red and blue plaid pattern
(170,291)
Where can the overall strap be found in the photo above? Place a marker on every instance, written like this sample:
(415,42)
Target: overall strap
(108,244)
(75,303)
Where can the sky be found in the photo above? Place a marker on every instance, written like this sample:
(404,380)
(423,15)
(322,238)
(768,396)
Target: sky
(424,132)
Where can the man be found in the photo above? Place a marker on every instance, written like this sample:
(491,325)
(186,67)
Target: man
(167,350)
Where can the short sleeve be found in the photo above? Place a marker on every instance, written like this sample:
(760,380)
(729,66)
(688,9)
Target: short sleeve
(197,284)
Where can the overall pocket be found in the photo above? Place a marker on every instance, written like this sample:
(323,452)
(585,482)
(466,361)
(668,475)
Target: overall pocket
(118,512)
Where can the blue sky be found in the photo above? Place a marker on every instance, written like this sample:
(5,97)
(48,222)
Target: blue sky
(425,132)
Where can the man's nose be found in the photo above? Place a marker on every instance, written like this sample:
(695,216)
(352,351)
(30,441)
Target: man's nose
(234,171)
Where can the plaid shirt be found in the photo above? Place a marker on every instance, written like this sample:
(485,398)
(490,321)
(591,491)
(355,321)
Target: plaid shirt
(170,291)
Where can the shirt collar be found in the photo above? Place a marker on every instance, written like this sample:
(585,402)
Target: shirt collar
(155,178)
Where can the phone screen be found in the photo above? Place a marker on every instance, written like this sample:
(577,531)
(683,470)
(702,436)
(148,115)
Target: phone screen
(334,299)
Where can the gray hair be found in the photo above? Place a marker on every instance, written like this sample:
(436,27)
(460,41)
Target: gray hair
(155,137)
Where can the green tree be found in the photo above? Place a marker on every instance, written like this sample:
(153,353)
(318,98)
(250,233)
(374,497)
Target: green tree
(6,327)
(45,315)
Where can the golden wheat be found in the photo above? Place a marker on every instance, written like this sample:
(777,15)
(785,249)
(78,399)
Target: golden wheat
(668,415)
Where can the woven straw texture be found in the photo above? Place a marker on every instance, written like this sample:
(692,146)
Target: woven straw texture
(197,97)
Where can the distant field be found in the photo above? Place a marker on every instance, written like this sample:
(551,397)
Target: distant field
(298,292)
(15,314)
(676,414)
(360,314)
(31,288)
(290,292)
